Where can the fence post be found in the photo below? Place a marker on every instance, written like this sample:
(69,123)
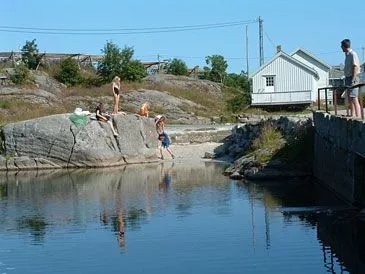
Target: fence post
(346,102)
(334,95)
(325,98)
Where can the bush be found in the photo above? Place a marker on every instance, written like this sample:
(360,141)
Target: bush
(30,55)
(133,71)
(21,75)
(177,67)
(120,63)
(69,72)
(4,104)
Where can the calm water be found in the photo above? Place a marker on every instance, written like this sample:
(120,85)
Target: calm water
(177,218)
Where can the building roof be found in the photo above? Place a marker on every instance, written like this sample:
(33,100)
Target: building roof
(311,56)
(290,58)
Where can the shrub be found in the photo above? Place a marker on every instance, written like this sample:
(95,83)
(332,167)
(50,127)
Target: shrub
(267,143)
(133,71)
(30,56)
(4,104)
(120,63)
(69,72)
(21,75)
(177,67)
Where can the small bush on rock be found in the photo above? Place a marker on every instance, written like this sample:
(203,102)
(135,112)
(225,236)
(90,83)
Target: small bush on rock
(21,75)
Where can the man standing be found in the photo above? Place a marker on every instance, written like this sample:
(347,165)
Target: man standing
(352,69)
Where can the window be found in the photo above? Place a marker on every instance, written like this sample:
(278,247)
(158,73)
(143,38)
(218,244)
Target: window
(269,81)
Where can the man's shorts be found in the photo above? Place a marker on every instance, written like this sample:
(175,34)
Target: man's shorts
(355,91)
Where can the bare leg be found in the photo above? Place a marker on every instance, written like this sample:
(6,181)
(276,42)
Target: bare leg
(116,103)
(169,151)
(355,107)
(111,125)
(161,153)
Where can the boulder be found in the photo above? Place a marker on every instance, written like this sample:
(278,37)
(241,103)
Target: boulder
(56,142)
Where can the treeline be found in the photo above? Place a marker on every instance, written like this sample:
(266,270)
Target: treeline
(120,62)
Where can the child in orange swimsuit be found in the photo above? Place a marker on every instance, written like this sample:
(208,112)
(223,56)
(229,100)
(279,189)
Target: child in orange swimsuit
(143,111)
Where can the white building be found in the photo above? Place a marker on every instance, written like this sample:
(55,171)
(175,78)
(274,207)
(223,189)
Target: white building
(290,79)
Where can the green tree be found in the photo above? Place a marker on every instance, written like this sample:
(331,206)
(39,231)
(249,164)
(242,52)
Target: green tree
(120,63)
(218,65)
(238,85)
(69,73)
(30,54)
(177,67)
(111,64)
(238,81)
(133,71)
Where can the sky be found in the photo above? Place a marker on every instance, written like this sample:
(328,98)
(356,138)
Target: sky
(188,30)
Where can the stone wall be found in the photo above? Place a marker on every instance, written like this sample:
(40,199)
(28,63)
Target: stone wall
(339,155)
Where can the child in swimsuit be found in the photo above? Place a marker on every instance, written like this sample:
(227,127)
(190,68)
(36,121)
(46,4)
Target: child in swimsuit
(143,111)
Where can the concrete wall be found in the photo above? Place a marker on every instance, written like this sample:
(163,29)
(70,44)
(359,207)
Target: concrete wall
(339,155)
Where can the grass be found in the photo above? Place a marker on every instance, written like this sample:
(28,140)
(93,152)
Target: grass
(266,144)
(20,111)
(4,104)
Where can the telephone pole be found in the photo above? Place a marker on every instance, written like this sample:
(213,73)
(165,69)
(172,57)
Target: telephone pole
(261,42)
(247,69)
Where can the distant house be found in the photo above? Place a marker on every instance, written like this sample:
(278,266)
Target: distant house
(290,79)
(337,76)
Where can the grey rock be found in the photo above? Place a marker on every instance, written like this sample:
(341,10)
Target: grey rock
(55,142)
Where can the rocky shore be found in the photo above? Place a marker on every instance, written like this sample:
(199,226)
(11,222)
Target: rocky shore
(285,161)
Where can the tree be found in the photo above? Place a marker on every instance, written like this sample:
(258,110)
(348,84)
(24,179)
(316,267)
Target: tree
(218,68)
(111,64)
(238,81)
(133,71)
(177,67)
(70,73)
(120,63)
(30,54)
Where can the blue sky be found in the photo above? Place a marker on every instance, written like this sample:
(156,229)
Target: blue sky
(317,26)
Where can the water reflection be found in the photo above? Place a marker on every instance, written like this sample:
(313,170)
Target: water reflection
(171,214)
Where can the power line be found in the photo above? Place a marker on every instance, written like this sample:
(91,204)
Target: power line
(121,31)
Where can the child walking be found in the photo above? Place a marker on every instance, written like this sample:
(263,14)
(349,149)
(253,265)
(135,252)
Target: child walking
(163,137)
(165,143)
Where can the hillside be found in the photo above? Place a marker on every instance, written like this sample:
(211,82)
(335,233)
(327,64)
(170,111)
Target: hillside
(182,99)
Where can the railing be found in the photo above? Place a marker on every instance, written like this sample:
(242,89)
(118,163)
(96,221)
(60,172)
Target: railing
(345,91)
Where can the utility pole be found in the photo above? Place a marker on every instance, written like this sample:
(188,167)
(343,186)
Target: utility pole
(363,54)
(247,62)
(247,68)
(261,39)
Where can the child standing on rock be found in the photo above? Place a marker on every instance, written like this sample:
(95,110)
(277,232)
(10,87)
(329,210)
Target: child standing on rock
(163,137)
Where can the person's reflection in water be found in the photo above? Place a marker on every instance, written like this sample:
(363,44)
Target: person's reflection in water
(121,232)
(166,177)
